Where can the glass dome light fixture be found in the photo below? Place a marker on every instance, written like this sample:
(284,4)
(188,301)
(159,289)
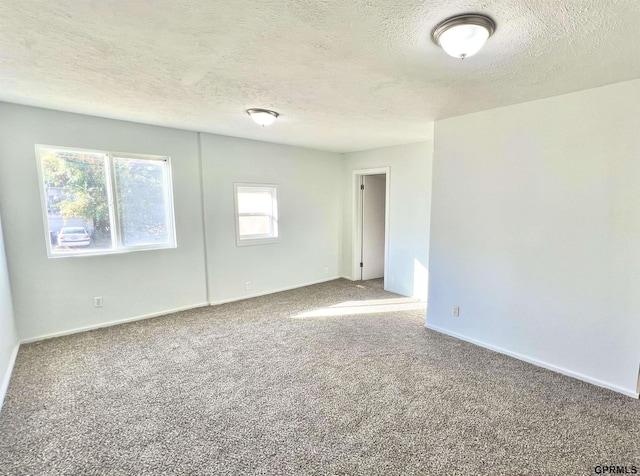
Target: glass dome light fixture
(263,117)
(463,35)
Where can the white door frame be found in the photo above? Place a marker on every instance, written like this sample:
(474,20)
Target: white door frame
(357,212)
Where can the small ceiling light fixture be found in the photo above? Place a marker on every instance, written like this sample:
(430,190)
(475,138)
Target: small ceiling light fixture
(463,35)
(263,117)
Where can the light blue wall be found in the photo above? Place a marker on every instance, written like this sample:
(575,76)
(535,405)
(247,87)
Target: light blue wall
(55,296)
(8,334)
(409,213)
(52,296)
(308,214)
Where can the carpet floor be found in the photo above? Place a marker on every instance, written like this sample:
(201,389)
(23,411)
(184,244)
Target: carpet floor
(335,378)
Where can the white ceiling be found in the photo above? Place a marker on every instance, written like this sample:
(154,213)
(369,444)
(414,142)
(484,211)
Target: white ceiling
(345,74)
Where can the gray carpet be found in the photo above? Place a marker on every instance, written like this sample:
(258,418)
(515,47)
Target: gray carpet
(273,385)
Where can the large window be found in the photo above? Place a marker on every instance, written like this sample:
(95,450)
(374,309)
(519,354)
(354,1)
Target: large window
(105,202)
(256,213)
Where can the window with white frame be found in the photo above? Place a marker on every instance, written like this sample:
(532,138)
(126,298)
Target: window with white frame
(105,202)
(256,213)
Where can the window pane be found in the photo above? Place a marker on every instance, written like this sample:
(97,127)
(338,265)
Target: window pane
(255,225)
(255,202)
(142,201)
(77,200)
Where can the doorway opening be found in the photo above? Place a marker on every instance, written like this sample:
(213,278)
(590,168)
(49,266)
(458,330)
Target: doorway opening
(371,224)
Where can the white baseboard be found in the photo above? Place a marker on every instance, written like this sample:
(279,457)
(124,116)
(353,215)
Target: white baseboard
(350,278)
(539,363)
(162,313)
(273,291)
(7,376)
(109,323)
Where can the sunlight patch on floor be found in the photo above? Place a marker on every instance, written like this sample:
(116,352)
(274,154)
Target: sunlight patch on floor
(370,306)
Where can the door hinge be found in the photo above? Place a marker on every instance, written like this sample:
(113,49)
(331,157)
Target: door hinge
(362,187)
(361,264)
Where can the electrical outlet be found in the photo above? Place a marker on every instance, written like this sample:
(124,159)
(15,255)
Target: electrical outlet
(456,311)
(97,301)
(326,270)
(247,285)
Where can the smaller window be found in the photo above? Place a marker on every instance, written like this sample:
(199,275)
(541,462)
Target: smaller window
(256,213)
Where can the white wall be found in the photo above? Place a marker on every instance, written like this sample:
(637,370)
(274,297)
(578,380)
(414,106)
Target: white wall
(56,295)
(373,225)
(535,232)
(309,212)
(410,204)
(8,334)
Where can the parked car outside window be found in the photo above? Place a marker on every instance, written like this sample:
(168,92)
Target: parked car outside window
(73,236)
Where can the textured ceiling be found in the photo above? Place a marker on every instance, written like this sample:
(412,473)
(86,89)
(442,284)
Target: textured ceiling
(345,74)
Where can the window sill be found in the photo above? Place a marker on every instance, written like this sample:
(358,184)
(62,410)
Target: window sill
(257,241)
(96,252)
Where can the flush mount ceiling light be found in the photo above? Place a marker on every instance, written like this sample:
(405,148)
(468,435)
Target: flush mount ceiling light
(463,35)
(263,117)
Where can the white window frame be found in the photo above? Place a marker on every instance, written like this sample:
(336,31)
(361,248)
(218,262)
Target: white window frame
(114,218)
(273,189)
